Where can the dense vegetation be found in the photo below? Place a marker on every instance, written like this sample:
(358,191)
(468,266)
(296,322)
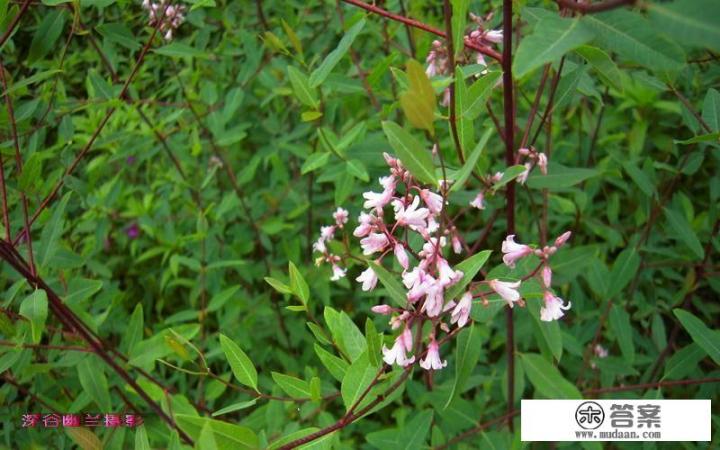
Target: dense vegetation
(190,194)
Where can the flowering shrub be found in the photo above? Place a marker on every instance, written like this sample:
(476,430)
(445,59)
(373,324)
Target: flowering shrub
(355,225)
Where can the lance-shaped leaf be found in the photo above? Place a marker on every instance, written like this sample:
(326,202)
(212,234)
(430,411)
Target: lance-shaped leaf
(467,353)
(707,339)
(241,366)
(469,267)
(547,379)
(551,38)
(418,102)
(35,308)
(301,87)
(320,74)
(411,152)
(390,282)
(692,22)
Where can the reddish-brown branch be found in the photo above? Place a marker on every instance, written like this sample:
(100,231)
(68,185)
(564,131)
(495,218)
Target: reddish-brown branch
(655,385)
(423,26)
(593,7)
(14,22)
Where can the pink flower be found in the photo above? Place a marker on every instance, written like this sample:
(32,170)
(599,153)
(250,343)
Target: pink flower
(406,339)
(506,289)
(433,201)
(411,216)
(319,245)
(401,256)
(365,226)
(542,163)
(338,272)
(554,307)
(382,309)
(479,201)
(433,300)
(514,251)
(456,244)
(600,351)
(368,278)
(327,232)
(462,310)
(547,276)
(562,239)
(396,355)
(388,183)
(377,200)
(494,36)
(446,275)
(432,359)
(341,217)
(375,242)
(522,178)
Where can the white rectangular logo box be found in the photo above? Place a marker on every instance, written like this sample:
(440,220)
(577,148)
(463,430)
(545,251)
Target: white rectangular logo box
(615,420)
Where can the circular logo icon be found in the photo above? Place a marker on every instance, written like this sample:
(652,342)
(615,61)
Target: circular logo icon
(589,415)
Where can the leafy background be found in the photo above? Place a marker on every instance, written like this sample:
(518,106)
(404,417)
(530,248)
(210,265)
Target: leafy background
(183,194)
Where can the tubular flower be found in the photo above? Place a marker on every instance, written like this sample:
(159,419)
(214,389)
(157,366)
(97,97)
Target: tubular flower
(382,309)
(341,217)
(462,310)
(401,256)
(514,251)
(562,239)
(411,215)
(432,359)
(375,242)
(479,201)
(338,272)
(365,226)
(506,289)
(547,276)
(433,201)
(396,354)
(368,278)
(554,307)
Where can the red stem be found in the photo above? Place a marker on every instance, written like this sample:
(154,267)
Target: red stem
(593,7)
(423,26)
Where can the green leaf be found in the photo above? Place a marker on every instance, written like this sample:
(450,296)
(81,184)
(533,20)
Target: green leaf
(241,366)
(683,230)
(690,22)
(547,378)
(550,39)
(46,35)
(418,102)
(478,94)
(35,308)
(640,178)
(52,231)
(392,285)
(218,300)
(141,439)
(683,362)
(294,387)
(414,433)
(37,78)
(179,50)
(459,19)
(92,379)
(278,285)
(706,338)
(227,436)
(357,169)
(411,152)
(298,284)
(560,177)
(85,438)
(711,111)
(349,336)
(603,64)
(464,173)
(118,33)
(469,267)
(336,366)
(465,128)
(318,333)
(235,407)
(322,443)
(134,331)
(373,342)
(634,38)
(301,87)
(550,331)
(358,377)
(623,270)
(334,57)
(314,162)
(620,325)
(30,172)
(467,353)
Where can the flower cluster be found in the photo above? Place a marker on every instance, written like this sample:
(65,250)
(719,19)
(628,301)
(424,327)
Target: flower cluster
(396,216)
(512,252)
(327,233)
(482,36)
(532,158)
(168,16)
